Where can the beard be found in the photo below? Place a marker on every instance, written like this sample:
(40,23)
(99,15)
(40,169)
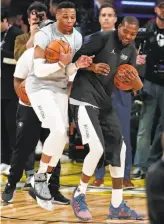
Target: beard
(161,18)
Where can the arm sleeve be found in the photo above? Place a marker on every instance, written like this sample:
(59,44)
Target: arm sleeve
(41,69)
(22,67)
(20,46)
(90,47)
(132,60)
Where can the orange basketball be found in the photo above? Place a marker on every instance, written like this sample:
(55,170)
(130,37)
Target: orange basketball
(52,51)
(23,95)
(123,84)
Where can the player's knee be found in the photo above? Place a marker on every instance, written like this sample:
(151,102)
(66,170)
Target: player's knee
(118,172)
(96,149)
(56,125)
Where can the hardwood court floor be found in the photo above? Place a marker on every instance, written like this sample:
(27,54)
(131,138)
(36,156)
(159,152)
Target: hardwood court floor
(24,210)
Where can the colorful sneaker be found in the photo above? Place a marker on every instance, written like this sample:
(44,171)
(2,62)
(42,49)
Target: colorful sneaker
(80,207)
(123,212)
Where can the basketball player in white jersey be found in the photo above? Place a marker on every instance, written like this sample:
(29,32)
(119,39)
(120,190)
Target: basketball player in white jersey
(47,90)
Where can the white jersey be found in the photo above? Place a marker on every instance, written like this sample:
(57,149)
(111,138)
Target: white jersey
(42,39)
(24,66)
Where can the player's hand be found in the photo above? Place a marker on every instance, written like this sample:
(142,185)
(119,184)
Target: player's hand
(141,59)
(66,58)
(34,29)
(129,75)
(84,61)
(101,68)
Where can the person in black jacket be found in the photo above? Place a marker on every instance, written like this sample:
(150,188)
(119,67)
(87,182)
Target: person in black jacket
(8,97)
(153,88)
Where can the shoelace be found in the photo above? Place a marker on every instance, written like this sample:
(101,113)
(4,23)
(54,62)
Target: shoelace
(128,208)
(81,202)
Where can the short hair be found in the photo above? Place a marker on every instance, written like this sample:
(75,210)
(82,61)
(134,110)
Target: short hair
(55,2)
(38,6)
(107,5)
(4,14)
(130,20)
(66,5)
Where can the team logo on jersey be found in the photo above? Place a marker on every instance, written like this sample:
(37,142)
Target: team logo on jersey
(20,124)
(160,40)
(113,52)
(41,111)
(124,57)
(86,130)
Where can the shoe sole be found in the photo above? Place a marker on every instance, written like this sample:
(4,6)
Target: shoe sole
(128,188)
(81,219)
(102,185)
(127,218)
(60,203)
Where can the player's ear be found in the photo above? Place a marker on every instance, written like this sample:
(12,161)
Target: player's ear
(115,19)
(57,14)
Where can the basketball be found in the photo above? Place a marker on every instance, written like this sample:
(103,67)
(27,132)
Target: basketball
(23,95)
(52,51)
(123,84)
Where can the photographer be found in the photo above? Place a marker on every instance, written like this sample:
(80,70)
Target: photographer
(36,12)
(153,89)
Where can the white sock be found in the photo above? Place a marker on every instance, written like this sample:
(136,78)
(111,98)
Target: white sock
(81,189)
(48,176)
(117,197)
(42,167)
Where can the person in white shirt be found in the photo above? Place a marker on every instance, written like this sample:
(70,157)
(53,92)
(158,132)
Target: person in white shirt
(46,87)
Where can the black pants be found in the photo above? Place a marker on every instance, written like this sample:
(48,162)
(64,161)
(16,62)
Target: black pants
(8,128)
(106,124)
(27,136)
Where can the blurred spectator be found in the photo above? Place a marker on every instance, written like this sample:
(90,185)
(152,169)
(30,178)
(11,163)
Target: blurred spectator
(8,97)
(153,90)
(26,40)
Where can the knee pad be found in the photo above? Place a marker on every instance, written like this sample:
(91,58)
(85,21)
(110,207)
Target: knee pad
(118,172)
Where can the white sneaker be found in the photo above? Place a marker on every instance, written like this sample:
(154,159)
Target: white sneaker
(39,148)
(4,169)
(47,205)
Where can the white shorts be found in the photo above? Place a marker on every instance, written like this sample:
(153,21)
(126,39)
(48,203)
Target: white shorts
(51,108)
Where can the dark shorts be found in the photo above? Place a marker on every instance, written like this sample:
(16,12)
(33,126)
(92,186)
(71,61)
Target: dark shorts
(106,125)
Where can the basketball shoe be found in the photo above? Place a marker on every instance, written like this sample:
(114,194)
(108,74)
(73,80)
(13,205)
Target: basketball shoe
(80,207)
(123,212)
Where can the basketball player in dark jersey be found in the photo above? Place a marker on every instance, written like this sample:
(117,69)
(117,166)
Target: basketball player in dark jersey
(91,106)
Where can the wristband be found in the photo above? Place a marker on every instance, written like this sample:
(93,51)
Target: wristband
(61,64)
(76,65)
